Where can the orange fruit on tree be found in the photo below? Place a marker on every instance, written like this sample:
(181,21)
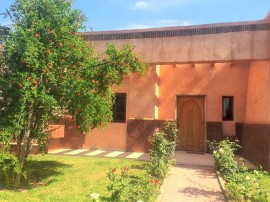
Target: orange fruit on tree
(35,82)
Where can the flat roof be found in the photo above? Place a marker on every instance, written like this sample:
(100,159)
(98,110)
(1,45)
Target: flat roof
(178,31)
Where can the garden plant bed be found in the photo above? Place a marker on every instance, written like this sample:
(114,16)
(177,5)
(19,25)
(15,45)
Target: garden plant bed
(67,178)
(239,182)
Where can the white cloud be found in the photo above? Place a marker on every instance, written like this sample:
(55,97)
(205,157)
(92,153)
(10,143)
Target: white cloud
(157,5)
(185,23)
(136,26)
(140,5)
(157,24)
(172,22)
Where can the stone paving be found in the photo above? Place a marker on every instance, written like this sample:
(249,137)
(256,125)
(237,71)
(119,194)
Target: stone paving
(193,178)
(101,153)
(192,183)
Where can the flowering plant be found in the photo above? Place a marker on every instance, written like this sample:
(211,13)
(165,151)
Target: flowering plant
(248,186)
(127,187)
(223,154)
(162,151)
(241,184)
(94,196)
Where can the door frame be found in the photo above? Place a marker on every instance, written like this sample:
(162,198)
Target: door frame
(205,112)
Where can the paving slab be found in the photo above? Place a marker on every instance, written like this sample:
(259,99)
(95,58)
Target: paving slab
(192,158)
(192,183)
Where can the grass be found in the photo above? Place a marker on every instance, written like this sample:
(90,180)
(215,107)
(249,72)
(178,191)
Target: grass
(68,178)
(264,180)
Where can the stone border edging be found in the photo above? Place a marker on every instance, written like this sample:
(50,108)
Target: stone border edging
(221,183)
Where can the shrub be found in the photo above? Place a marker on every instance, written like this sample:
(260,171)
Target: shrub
(241,184)
(223,154)
(125,187)
(162,152)
(9,167)
(247,186)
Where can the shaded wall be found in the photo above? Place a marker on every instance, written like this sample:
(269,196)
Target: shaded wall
(197,43)
(140,106)
(255,135)
(139,132)
(258,95)
(256,144)
(114,135)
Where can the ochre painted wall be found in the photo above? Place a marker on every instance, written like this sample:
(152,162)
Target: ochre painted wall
(142,95)
(222,79)
(140,102)
(213,80)
(231,46)
(113,137)
(258,96)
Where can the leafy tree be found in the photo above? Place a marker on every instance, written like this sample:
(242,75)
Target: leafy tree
(51,73)
(3,32)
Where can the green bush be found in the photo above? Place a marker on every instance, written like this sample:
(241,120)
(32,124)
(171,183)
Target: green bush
(162,152)
(241,184)
(223,154)
(125,187)
(247,186)
(9,167)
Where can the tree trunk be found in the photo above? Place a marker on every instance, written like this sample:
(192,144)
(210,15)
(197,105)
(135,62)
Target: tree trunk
(19,144)
(27,139)
(29,147)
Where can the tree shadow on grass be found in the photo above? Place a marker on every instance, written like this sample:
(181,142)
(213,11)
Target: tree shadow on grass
(108,199)
(42,173)
(38,173)
(139,167)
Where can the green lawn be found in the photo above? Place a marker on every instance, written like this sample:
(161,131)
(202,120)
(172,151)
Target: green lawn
(68,178)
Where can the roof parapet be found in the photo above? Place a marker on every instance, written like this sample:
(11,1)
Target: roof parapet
(177,31)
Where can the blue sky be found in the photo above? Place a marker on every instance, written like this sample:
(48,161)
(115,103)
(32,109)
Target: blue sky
(133,14)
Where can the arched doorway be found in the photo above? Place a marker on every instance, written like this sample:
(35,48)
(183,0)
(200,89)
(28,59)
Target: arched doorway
(191,123)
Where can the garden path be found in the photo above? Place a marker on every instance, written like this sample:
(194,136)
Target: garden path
(193,178)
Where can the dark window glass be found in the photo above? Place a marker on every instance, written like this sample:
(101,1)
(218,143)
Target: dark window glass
(227,108)
(119,108)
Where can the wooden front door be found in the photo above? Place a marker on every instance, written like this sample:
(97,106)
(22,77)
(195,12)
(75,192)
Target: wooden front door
(191,123)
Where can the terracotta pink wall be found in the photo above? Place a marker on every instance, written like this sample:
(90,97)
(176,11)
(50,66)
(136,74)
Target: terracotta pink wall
(58,131)
(212,80)
(258,96)
(142,95)
(113,136)
(219,47)
(141,102)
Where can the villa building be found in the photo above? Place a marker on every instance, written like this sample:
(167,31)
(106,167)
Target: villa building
(213,80)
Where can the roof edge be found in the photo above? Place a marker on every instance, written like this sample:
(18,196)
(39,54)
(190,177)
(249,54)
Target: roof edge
(225,24)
